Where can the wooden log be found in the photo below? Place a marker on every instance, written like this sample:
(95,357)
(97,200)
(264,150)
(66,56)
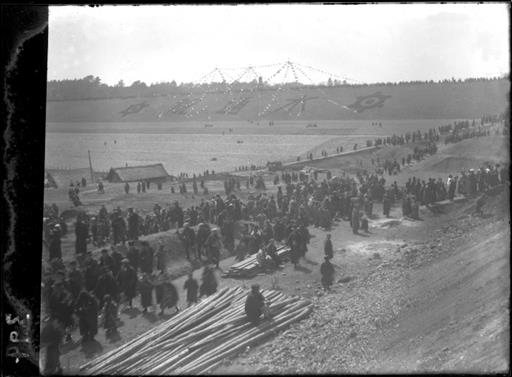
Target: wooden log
(239,345)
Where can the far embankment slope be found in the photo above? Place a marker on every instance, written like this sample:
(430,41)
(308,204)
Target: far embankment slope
(450,100)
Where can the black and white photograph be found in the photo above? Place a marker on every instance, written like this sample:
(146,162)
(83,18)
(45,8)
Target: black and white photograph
(276,189)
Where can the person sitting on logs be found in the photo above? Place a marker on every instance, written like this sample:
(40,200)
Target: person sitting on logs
(271,251)
(254,305)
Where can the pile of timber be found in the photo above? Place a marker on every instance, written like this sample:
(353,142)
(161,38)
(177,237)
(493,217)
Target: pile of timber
(199,338)
(250,267)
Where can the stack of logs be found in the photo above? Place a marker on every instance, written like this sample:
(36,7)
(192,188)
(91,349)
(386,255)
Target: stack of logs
(250,267)
(201,337)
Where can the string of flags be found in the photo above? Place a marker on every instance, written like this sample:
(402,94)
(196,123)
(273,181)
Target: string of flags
(193,104)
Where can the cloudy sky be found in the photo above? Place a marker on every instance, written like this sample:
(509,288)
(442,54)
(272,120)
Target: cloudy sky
(367,43)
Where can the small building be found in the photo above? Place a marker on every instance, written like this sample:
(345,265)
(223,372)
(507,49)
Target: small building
(154,173)
(62,178)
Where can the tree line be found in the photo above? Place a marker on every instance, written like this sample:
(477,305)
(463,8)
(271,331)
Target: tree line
(91,87)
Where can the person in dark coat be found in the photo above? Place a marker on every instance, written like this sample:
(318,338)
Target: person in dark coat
(106,260)
(187,237)
(81,235)
(109,316)
(51,338)
(328,249)
(106,285)
(293,242)
(355,220)
(126,188)
(127,282)
(213,246)
(118,228)
(254,304)
(166,293)
(61,306)
(208,283)
(161,259)
(54,248)
(133,225)
(203,232)
(386,205)
(191,286)
(146,258)
(117,257)
(87,310)
(327,271)
(304,240)
(91,272)
(133,256)
(75,281)
(146,292)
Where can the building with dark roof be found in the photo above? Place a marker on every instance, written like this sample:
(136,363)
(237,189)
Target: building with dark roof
(149,173)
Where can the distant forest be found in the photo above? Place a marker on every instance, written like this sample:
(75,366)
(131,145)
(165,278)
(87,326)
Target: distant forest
(91,88)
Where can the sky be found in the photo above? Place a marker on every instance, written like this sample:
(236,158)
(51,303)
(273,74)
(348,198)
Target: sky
(363,43)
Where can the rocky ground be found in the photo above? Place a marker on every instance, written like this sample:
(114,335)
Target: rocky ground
(433,299)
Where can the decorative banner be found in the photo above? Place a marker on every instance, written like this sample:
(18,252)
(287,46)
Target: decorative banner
(295,102)
(234,106)
(133,109)
(183,106)
(368,102)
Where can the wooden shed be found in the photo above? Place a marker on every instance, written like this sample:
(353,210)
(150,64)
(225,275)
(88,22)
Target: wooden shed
(150,173)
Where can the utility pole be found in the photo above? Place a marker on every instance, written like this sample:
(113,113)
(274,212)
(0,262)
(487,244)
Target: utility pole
(90,166)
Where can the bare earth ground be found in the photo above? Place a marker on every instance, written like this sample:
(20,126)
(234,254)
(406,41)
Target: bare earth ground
(411,296)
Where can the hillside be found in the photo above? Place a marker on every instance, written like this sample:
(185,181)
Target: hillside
(433,298)
(468,100)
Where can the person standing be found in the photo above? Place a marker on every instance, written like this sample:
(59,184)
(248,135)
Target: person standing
(327,271)
(61,307)
(146,258)
(166,294)
(213,246)
(109,316)
(386,204)
(106,285)
(55,249)
(81,235)
(191,286)
(187,237)
(208,283)
(355,220)
(126,188)
(293,242)
(133,225)
(328,249)
(87,310)
(51,337)
(161,259)
(75,281)
(127,281)
(146,292)
(133,256)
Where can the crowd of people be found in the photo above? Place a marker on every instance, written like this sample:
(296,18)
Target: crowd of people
(91,286)
(91,292)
